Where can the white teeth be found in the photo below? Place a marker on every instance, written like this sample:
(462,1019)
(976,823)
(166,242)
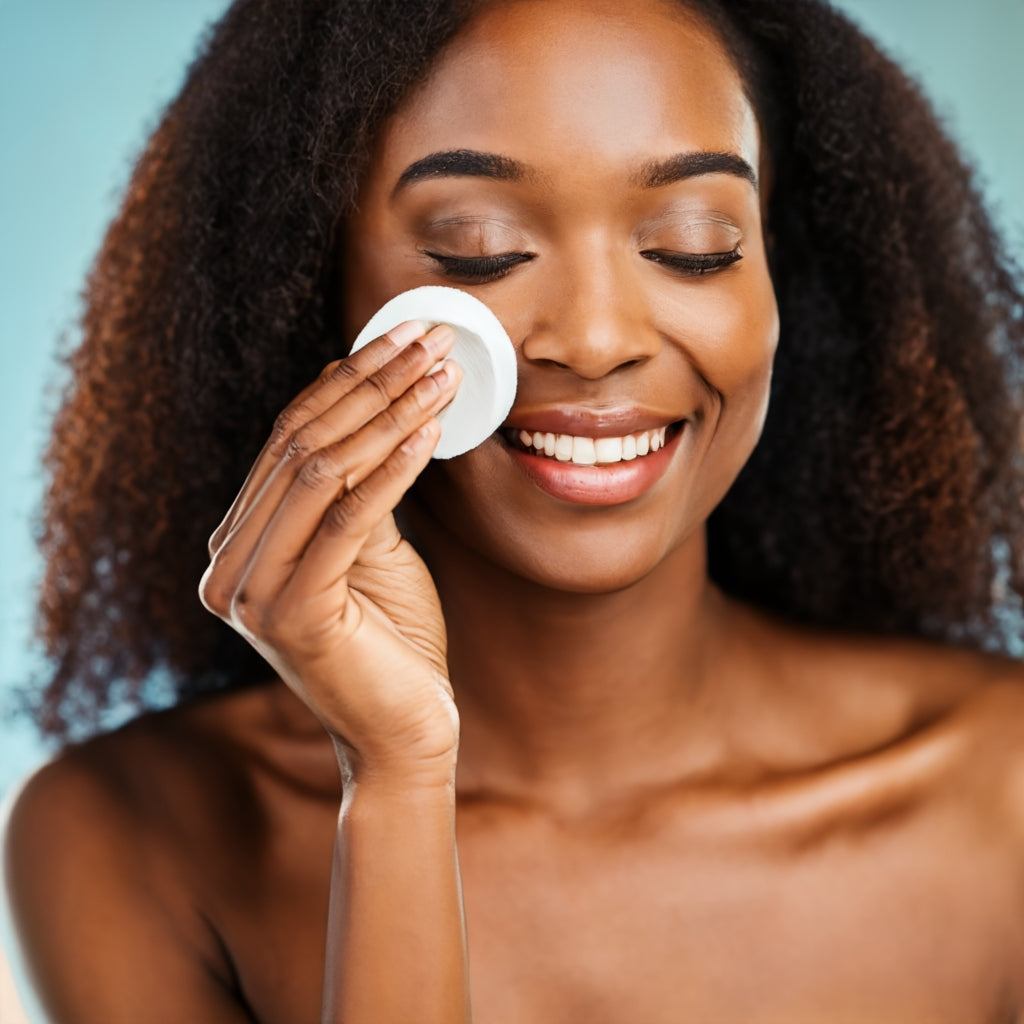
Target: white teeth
(608,449)
(584,451)
(590,451)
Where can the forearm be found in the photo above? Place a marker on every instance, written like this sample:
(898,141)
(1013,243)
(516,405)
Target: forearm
(396,949)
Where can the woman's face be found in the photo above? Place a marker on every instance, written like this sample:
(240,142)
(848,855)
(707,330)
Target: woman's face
(589,170)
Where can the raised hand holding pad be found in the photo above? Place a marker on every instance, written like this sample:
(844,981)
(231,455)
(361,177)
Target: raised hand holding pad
(482,348)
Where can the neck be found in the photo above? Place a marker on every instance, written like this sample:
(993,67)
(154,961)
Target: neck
(572,693)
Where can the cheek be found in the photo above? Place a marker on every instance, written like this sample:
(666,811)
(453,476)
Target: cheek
(362,281)
(752,345)
(373,270)
(728,335)
(733,334)
(731,341)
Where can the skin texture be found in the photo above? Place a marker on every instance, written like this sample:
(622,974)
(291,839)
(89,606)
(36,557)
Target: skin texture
(669,807)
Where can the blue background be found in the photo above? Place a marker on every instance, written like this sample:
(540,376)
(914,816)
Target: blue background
(82,83)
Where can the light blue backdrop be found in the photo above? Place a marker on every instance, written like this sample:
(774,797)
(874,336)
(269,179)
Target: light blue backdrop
(81,82)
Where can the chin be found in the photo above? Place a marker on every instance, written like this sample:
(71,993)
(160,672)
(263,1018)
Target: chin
(588,551)
(585,575)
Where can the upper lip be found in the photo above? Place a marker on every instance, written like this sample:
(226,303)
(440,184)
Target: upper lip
(583,422)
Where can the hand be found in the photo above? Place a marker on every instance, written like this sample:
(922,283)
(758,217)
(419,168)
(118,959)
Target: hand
(309,565)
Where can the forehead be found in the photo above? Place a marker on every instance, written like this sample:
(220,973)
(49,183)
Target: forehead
(593,79)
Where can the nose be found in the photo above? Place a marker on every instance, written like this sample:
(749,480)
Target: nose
(591,318)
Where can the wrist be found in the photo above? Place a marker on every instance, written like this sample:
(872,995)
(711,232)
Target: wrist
(396,774)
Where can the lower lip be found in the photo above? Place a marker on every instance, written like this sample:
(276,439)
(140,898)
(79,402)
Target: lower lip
(611,484)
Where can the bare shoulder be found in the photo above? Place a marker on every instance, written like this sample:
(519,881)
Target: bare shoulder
(987,722)
(176,783)
(116,808)
(961,710)
(107,852)
(127,784)
(979,696)
(893,704)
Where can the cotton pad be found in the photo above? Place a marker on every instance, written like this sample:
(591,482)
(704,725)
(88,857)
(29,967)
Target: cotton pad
(482,348)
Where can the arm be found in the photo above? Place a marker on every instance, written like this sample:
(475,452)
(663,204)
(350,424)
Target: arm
(396,940)
(309,566)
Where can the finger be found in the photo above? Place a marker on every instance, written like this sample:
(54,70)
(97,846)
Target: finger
(339,377)
(373,396)
(325,477)
(335,380)
(370,397)
(321,573)
(390,364)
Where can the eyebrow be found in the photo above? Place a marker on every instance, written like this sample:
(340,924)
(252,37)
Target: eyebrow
(692,165)
(462,163)
(470,163)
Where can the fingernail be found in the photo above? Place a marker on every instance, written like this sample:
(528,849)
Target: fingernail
(401,335)
(448,372)
(439,340)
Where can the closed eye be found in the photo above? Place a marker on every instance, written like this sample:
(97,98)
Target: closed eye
(693,263)
(479,269)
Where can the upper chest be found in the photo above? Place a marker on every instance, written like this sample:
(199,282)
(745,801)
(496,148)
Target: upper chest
(668,919)
(903,920)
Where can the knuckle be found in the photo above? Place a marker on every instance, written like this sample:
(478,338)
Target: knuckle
(379,383)
(391,418)
(287,423)
(320,470)
(327,373)
(339,372)
(416,402)
(301,443)
(246,613)
(401,416)
(214,595)
(343,515)
(426,393)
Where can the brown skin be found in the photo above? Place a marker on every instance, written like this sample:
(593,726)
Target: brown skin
(670,807)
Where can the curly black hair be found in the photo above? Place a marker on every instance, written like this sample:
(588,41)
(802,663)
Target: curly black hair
(885,494)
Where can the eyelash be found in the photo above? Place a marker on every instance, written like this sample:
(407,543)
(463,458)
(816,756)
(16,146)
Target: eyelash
(483,269)
(693,264)
(479,269)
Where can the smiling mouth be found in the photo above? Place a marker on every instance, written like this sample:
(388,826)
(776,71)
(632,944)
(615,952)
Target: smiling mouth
(592,451)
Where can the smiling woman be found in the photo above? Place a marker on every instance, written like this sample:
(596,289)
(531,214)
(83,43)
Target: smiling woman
(622,246)
(678,670)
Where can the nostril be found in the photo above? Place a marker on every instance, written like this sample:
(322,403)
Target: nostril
(588,369)
(591,347)
(554,363)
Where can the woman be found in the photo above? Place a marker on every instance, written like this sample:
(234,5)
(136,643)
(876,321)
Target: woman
(773,796)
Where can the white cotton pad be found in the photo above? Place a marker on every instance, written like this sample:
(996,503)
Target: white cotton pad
(482,348)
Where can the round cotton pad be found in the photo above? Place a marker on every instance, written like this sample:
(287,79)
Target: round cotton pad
(482,349)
